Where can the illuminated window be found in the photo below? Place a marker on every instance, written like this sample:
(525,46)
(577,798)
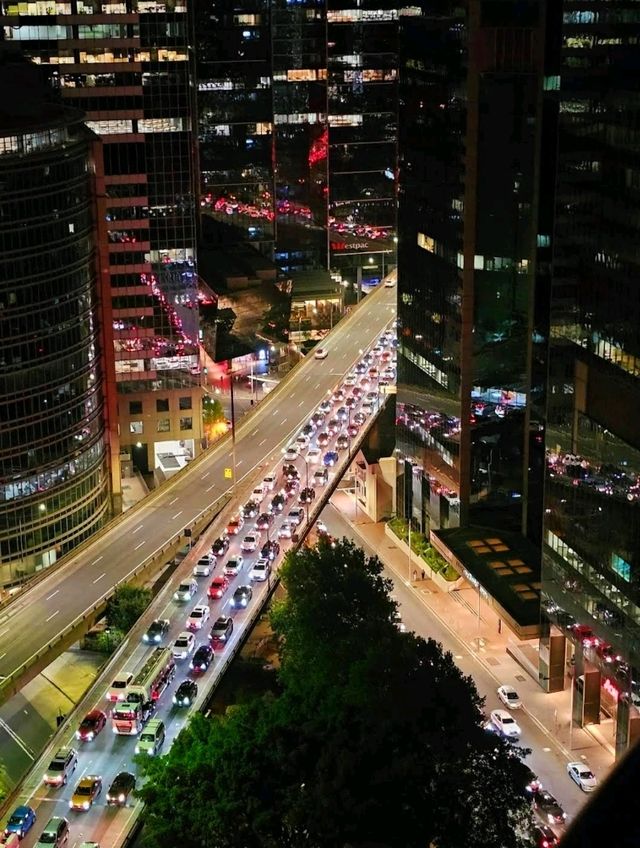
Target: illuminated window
(135,427)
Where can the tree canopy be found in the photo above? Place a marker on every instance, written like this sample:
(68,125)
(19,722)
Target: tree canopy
(126,606)
(377,738)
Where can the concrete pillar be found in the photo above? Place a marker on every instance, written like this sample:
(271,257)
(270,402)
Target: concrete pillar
(552,659)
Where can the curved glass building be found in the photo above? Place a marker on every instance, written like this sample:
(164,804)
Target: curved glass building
(54,481)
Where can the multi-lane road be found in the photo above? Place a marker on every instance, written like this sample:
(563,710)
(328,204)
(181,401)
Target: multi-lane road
(41,613)
(108,754)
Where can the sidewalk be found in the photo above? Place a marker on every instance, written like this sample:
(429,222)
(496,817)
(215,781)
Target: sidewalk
(489,640)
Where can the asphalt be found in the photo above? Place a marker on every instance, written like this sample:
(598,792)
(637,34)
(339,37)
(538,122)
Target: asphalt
(110,753)
(40,614)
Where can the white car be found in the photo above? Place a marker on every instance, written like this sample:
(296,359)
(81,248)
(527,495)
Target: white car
(118,689)
(269,482)
(285,530)
(261,570)
(509,697)
(302,441)
(583,776)
(250,543)
(258,494)
(505,724)
(291,453)
(199,617)
(313,456)
(184,645)
(350,380)
(389,284)
(321,353)
(234,565)
(185,591)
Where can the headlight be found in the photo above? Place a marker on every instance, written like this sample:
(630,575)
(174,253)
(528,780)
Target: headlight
(86,805)
(156,637)
(203,666)
(121,797)
(145,638)
(90,735)
(71,805)
(175,700)
(186,702)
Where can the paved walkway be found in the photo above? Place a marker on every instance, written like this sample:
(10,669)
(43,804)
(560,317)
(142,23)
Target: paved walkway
(490,640)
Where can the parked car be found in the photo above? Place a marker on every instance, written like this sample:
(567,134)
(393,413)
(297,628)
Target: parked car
(505,724)
(581,774)
(509,696)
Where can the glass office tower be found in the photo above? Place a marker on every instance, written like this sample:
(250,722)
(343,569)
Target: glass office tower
(470,122)
(54,438)
(125,63)
(591,564)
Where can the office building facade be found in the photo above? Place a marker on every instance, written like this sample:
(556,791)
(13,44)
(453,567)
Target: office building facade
(126,65)
(58,426)
(469,434)
(591,539)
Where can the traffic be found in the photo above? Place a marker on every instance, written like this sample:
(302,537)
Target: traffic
(87,792)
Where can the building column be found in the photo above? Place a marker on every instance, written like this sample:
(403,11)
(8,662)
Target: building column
(586,691)
(552,653)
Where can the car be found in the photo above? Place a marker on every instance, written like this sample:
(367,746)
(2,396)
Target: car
(320,477)
(543,836)
(261,570)
(156,631)
(330,458)
(258,494)
(357,392)
(323,439)
(269,482)
(291,453)
(235,525)
(342,413)
(183,645)
(377,351)
(338,396)
(321,528)
(359,418)
(302,441)
(350,380)
(199,617)
(291,487)
(234,565)
(250,543)
(221,631)
(352,430)
(389,283)
(121,787)
(285,530)
(9,840)
(201,659)
(250,509)
(334,426)
(290,472)
(325,407)
(372,397)
(547,807)
(86,792)
(314,456)
(185,694)
(270,550)
(307,495)
(509,696)
(220,546)
(321,353)
(309,429)
(351,402)
(277,502)
(296,516)
(360,368)
(241,597)
(204,566)
(365,382)
(63,764)
(320,414)
(342,442)
(583,776)
(218,587)
(55,833)
(91,725)
(20,821)
(367,407)
(264,521)
(185,591)
(505,724)
(118,689)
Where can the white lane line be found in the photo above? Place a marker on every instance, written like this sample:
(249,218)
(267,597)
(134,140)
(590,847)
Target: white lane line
(317,386)
(2,632)
(53,615)
(284,420)
(2,656)
(171,503)
(255,431)
(139,527)
(261,443)
(206,474)
(177,514)
(239,462)
(53,594)
(213,485)
(306,379)
(275,412)
(96,561)
(17,739)
(139,546)
(301,403)
(104,574)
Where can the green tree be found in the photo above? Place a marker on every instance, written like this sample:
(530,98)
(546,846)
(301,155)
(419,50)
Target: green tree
(126,606)
(376,737)
(213,418)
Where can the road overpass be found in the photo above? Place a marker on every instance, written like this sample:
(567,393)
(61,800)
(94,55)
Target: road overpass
(39,623)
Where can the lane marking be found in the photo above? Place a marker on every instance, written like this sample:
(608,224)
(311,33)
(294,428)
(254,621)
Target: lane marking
(53,615)
(212,486)
(177,514)
(284,420)
(301,403)
(275,412)
(104,574)
(261,443)
(317,386)
(255,431)
(53,594)
(306,379)
(239,462)
(139,546)
(2,657)
(10,732)
(96,561)
(171,503)
(139,527)
(206,474)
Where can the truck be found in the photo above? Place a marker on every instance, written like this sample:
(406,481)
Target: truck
(153,678)
(129,717)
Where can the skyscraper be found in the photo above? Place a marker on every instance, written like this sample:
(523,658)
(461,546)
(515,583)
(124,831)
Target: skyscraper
(58,425)
(126,65)
(591,551)
(470,124)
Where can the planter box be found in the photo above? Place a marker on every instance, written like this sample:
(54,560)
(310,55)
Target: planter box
(418,563)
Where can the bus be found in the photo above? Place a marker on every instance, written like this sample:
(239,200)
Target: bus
(154,676)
